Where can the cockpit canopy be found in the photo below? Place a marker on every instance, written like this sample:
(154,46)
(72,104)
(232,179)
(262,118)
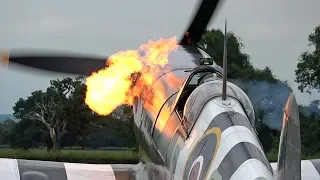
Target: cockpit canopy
(197,76)
(212,87)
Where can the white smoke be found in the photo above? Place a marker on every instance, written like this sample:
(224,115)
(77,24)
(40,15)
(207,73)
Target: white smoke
(269,96)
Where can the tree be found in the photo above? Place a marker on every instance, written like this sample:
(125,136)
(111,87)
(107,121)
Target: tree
(245,75)
(58,108)
(5,129)
(212,43)
(264,131)
(308,67)
(265,136)
(83,119)
(24,135)
(239,64)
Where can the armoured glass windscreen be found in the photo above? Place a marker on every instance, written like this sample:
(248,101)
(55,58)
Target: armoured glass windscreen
(202,77)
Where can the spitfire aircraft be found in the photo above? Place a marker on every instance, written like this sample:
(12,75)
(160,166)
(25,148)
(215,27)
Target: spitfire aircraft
(209,132)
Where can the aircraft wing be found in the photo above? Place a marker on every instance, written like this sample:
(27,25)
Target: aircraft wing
(289,165)
(17,169)
(310,169)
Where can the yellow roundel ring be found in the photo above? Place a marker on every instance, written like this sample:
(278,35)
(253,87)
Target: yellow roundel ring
(206,147)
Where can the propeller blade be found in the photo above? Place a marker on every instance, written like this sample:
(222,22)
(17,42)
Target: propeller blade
(63,62)
(85,64)
(199,22)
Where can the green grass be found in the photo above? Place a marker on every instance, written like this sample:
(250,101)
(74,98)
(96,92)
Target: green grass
(272,156)
(75,156)
(94,156)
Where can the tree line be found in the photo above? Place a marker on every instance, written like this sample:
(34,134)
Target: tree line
(58,117)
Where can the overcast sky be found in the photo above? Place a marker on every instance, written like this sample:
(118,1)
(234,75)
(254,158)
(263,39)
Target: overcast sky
(274,32)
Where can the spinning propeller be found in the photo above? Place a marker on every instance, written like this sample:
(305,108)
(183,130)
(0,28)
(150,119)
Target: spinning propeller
(81,64)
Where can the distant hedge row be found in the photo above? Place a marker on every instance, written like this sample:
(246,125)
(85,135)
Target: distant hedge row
(74,156)
(94,156)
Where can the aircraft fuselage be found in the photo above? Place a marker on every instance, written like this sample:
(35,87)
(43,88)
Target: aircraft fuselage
(202,136)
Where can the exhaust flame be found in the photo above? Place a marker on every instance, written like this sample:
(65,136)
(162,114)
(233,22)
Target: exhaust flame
(127,75)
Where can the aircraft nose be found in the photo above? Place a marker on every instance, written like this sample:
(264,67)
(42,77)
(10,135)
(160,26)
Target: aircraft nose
(239,155)
(225,147)
(236,157)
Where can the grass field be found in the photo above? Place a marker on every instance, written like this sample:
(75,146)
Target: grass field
(85,156)
(93,156)
(273,156)
(76,156)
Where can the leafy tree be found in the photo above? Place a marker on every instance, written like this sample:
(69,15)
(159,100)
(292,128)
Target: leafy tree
(24,135)
(5,129)
(59,117)
(310,126)
(264,131)
(212,43)
(308,67)
(265,136)
(312,108)
(113,131)
(239,64)
(2,134)
(83,119)
(59,108)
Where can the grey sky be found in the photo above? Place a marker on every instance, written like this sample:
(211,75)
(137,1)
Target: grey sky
(274,32)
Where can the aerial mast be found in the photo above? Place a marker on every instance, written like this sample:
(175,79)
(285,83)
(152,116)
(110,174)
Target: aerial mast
(224,76)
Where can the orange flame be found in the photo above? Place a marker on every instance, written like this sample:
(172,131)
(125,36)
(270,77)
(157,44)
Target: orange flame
(130,74)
